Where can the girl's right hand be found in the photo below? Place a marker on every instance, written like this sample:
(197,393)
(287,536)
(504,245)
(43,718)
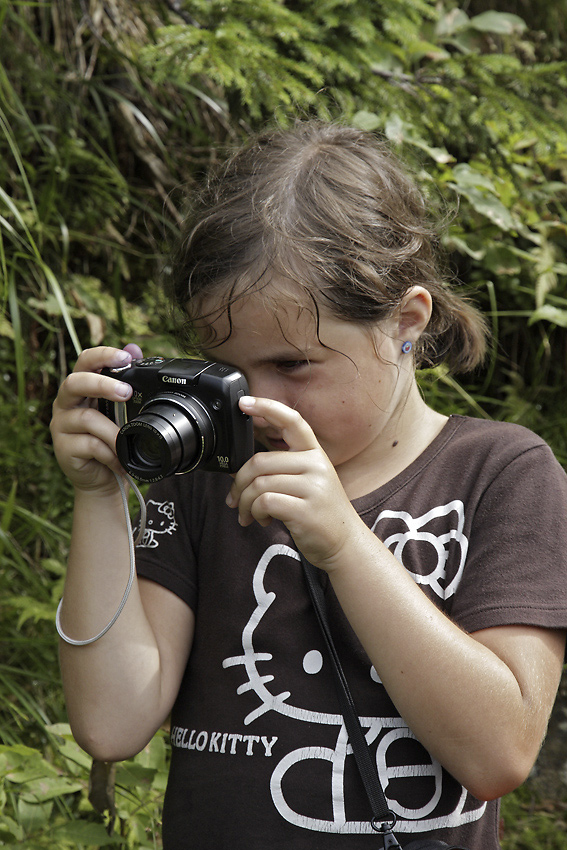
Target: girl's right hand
(83,438)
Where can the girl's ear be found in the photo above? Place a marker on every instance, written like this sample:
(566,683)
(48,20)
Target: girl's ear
(414,313)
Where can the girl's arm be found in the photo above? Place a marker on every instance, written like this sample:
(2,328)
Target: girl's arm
(120,689)
(480,702)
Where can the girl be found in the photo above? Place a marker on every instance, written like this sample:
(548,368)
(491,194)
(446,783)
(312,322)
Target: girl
(308,264)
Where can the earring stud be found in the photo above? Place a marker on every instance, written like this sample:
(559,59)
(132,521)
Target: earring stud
(407,346)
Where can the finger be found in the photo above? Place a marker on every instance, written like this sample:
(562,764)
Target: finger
(95,359)
(271,498)
(264,487)
(68,426)
(82,449)
(265,466)
(134,350)
(80,386)
(84,437)
(88,420)
(295,430)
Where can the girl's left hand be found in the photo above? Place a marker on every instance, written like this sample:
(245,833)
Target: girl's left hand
(300,487)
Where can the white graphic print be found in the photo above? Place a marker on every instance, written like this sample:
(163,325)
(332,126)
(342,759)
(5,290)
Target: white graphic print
(388,734)
(160,520)
(434,548)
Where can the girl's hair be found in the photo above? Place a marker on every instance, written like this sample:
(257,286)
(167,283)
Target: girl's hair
(330,208)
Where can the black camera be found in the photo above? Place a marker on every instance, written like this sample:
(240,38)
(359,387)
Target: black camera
(182,415)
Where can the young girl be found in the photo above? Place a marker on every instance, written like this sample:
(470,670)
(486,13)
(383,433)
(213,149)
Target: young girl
(308,265)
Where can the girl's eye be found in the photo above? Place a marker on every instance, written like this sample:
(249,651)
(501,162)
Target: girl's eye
(291,365)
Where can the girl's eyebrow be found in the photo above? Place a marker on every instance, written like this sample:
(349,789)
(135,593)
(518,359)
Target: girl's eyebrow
(278,355)
(282,356)
(266,360)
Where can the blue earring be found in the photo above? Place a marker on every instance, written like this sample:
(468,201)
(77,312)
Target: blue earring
(407,347)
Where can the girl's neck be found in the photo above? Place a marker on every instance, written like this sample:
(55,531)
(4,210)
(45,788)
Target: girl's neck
(409,435)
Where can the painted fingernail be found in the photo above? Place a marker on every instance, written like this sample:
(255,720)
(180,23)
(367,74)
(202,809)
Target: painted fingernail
(134,349)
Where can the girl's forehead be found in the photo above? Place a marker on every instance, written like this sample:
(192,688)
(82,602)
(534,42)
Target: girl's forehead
(284,309)
(256,327)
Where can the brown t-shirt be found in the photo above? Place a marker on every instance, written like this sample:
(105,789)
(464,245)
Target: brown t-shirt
(260,756)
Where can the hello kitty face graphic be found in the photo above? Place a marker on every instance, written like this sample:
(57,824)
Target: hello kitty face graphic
(434,540)
(387,736)
(160,520)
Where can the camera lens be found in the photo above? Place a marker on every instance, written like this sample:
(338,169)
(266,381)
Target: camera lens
(146,446)
(173,433)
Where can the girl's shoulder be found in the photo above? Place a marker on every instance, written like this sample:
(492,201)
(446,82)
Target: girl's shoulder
(468,455)
(489,432)
(483,439)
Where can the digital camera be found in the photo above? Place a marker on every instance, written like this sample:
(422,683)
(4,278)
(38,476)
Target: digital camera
(182,415)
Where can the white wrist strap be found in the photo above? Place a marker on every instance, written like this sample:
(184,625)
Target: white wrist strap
(131,544)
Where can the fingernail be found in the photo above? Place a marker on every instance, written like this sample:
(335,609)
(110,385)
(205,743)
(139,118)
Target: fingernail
(121,358)
(123,390)
(247,401)
(134,349)
(230,501)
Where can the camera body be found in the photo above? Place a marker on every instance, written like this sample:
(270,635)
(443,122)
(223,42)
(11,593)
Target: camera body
(183,415)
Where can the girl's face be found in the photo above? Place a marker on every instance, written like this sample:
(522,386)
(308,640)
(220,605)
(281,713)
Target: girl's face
(352,385)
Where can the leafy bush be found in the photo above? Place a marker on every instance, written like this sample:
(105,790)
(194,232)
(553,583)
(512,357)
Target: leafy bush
(49,800)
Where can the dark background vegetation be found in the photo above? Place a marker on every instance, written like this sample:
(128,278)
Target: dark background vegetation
(110,114)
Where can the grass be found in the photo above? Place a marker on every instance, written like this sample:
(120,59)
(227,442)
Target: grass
(533,823)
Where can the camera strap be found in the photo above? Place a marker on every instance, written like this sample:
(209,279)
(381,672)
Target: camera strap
(383,819)
(131,546)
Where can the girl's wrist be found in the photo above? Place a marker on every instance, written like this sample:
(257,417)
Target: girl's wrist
(347,550)
(109,492)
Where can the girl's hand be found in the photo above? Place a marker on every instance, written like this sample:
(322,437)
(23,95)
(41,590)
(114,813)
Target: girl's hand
(300,487)
(83,438)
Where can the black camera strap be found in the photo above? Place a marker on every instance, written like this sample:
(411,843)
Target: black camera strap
(383,819)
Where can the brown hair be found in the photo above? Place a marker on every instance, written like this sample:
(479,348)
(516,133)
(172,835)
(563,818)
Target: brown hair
(331,208)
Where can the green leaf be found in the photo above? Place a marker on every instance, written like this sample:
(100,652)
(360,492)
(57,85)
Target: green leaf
(368,121)
(48,788)
(30,609)
(489,206)
(83,832)
(21,764)
(6,328)
(33,816)
(465,176)
(502,261)
(500,23)
(551,314)
(10,831)
(130,773)
(451,23)
(440,155)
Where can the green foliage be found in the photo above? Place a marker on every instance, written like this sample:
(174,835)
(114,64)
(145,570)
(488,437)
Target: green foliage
(106,122)
(47,800)
(531,822)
